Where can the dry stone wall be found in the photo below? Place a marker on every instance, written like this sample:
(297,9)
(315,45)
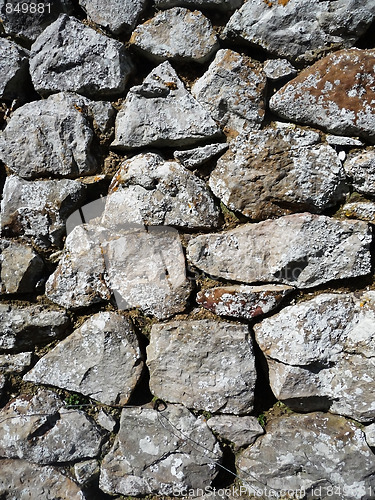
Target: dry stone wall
(187,299)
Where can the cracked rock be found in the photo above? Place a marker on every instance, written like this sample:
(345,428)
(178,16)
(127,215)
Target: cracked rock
(360,168)
(14,63)
(241,431)
(118,16)
(196,157)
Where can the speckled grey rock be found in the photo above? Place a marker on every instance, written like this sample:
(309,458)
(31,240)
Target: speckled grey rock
(149,190)
(38,210)
(369,431)
(160,458)
(300,30)
(101,359)
(118,16)
(14,63)
(277,171)
(336,93)
(200,4)
(360,168)
(196,157)
(161,112)
(62,58)
(241,431)
(279,69)
(303,250)
(203,364)
(106,421)
(305,454)
(320,354)
(86,472)
(362,210)
(232,90)
(176,34)
(15,363)
(341,141)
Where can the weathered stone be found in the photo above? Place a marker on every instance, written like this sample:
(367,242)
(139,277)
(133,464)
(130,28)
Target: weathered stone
(232,90)
(199,4)
(37,428)
(101,359)
(161,112)
(305,454)
(3,382)
(115,15)
(15,363)
(279,69)
(360,168)
(149,190)
(38,210)
(204,364)
(363,210)
(341,141)
(336,93)
(321,354)
(178,34)
(244,302)
(160,457)
(370,434)
(62,58)
(86,472)
(303,250)
(195,157)
(241,431)
(21,328)
(21,267)
(22,480)
(300,30)
(106,421)
(13,69)
(278,171)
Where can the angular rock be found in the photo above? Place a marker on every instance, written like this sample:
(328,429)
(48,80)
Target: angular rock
(241,431)
(305,454)
(22,480)
(3,381)
(232,90)
(86,472)
(115,15)
(362,210)
(196,157)
(161,112)
(40,430)
(302,250)
(279,69)
(278,171)
(360,168)
(321,353)
(21,267)
(15,363)
(244,302)
(204,364)
(106,421)
(62,58)
(370,434)
(22,328)
(38,210)
(161,457)
(300,30)
(101,359)
(13,69)
(177,34)
(149,190)
(336,93)
(222,5)
(341,141)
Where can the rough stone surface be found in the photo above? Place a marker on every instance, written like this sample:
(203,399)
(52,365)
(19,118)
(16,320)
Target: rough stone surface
(232,90)
(363,210)
(115,15)
(303,250)
(300,30)
(200,4)
(370,434)
(321,354)
(244,302)
(242,431)
(86,472)
(37,428)
(13,69)
(62,58)
(38,210)
(360,168)
(320,453)
(149,190)
(203,364)
(176,34)
(341,141)
(279,69)
(106,421)
(22,327)
(277,171)
(15,363)
(21,267)
(161,112)
(160,458)
(101,359)
(196,157)
(336,93)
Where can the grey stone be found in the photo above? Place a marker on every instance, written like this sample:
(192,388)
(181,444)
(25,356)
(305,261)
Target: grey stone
(149,190)
(14,64)
(21,267)
(320,354)
(161,457)
(196,157)
(302,250)
(161,112)
(232,90)
(106,421)
(305,454)
(360,168)
(38,210)
(86,472)
(363,210)
(222,5)
(300,30)
(369,431)
(203,364)
(241,301)
(3,381)
(62,58)
(341,141)
(242,431)
(23,327)
(279,69)
(101,359)
(40,430)
(177,34)
(15,363)
(22,480)
(115,15)
(336,93)
(277,171)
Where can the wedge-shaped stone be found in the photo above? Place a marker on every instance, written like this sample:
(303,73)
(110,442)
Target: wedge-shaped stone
(118,16)
(241,431)
(360,168)
(13,69)
(362,210)
(195,157)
